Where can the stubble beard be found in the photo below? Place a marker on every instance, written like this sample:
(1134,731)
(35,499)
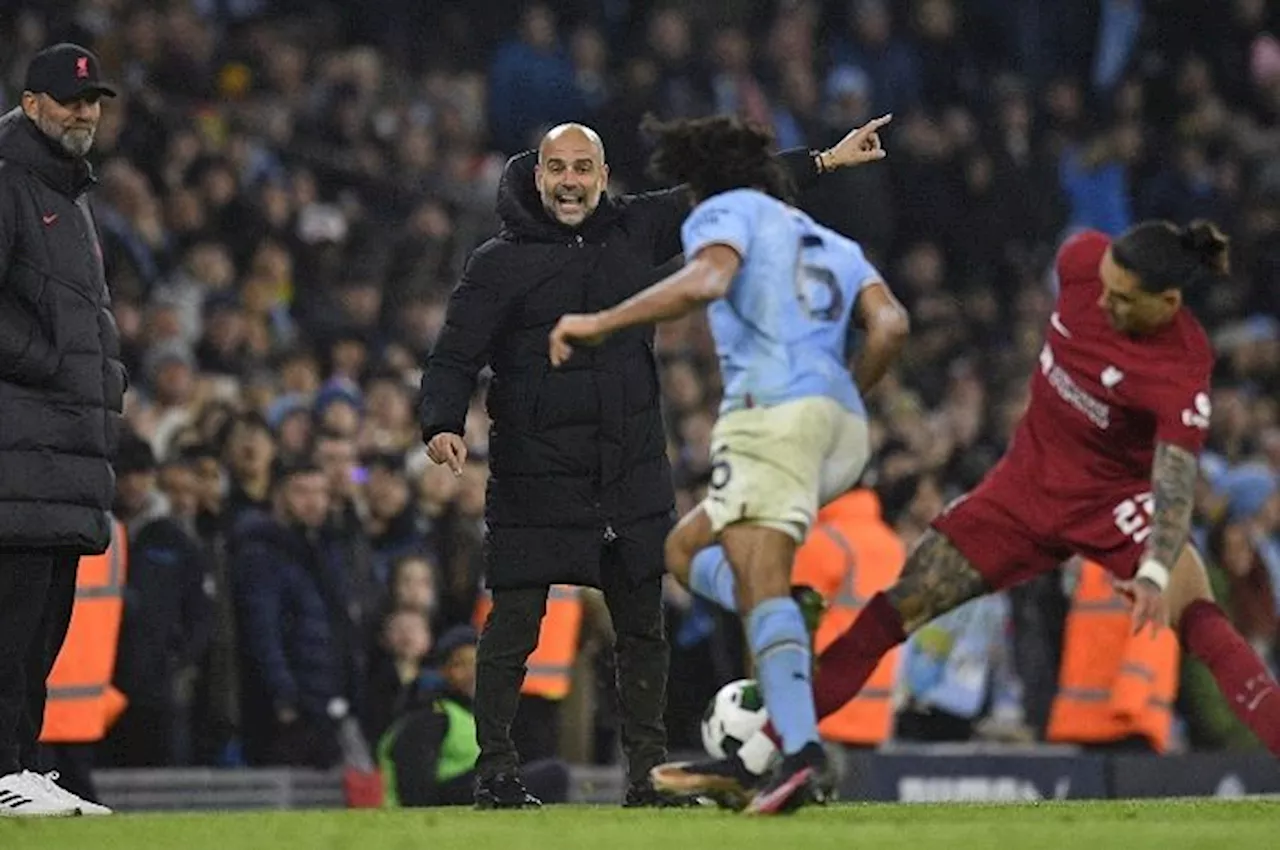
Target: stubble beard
(76,141)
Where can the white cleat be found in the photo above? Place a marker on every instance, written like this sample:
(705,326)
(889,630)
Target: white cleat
(80,804)
(27,795)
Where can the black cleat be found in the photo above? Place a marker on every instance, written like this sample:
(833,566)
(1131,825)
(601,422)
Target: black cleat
(642,795)
(504,791)
(797,781)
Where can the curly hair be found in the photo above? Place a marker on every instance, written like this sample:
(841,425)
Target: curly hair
(714,155)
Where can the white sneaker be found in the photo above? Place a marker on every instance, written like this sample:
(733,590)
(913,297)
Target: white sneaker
(50,782)
(25,794)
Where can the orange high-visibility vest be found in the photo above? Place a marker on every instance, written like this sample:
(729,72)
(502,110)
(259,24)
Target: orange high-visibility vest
(82,702)
(849,556)
(1114,684)
(548,670)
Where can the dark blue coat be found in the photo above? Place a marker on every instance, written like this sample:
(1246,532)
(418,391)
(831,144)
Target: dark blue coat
(296,647)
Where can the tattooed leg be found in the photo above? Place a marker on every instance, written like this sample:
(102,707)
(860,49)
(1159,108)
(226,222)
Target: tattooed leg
(935,579)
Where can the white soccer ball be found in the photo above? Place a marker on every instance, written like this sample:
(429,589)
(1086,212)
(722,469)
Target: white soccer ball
(733,715)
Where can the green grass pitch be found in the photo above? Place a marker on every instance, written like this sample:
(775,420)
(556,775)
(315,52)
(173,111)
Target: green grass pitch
(1158,825)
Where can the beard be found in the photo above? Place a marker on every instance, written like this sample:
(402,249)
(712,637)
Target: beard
(76,141)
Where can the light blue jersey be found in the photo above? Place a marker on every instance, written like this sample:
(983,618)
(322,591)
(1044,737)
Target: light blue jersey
(782,329)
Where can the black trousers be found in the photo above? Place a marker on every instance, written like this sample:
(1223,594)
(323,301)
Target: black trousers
(546,779)
(536,729)
(74,763)
(37,592)
(510,636)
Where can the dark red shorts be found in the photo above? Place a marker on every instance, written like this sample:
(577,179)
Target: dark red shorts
(1012,530)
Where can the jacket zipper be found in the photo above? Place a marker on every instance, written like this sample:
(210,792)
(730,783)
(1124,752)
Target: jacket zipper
(609,534)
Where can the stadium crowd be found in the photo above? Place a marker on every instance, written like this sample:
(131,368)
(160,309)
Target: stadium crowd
(288,192)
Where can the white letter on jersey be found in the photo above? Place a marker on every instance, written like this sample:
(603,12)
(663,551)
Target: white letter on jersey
(1199,417)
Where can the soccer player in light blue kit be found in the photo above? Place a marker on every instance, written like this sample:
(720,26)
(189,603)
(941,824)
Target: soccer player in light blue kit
(782,292)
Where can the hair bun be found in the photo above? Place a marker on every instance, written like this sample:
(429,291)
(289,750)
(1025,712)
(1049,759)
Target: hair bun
(1210,245)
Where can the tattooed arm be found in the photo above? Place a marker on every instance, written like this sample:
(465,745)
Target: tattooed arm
(1173,483)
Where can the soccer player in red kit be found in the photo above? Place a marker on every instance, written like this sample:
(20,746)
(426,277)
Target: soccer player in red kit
(1103,465)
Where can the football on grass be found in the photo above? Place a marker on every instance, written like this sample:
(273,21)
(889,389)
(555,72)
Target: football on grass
(734,715)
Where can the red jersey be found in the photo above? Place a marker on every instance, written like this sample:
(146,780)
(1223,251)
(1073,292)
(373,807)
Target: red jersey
(1101,399)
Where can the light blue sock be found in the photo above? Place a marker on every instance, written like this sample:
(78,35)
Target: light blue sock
(711,577)
(780,644)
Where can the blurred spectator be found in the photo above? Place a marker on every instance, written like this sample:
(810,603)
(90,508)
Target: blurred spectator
(393,524)
(167,623)
(296,648)
(428,756)
(890,61)
(248,452)
(396,685)
(531,84)
(413,587)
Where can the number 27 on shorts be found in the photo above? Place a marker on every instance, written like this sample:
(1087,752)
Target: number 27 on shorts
(1133,517)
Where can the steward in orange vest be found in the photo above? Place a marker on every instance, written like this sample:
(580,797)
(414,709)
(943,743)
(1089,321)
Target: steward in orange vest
(82,702)
(549,667)
(850,555)
(1114,685)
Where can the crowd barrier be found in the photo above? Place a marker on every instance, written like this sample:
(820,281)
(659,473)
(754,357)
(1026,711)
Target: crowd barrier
(994,774)
(915,775)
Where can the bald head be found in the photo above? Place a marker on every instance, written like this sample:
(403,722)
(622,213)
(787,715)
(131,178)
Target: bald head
(575,138)
(571,173)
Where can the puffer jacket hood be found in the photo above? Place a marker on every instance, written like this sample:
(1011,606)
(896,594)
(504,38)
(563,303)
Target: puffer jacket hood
(22,143)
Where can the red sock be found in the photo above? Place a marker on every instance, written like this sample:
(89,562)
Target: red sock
(1243,679)
(846,664)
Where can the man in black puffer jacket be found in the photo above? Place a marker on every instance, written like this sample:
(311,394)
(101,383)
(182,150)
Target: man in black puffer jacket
(580,491)
(61,394)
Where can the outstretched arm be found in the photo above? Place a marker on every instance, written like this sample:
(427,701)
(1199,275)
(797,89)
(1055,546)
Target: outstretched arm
(705,278)
(859,146)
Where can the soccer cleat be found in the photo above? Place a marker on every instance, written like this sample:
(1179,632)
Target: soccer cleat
(642,795)
(726,782)
(797,781)
(27,794)
(85,807)
(504,791)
